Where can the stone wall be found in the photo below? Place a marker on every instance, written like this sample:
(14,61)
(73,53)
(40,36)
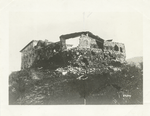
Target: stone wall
(116,50)
(95,53)
(90,57)
(39,53)
(46,55)
(84,42)
(27,56)
(94,57)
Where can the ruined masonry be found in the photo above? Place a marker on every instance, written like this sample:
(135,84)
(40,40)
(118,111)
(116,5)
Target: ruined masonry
(90,49)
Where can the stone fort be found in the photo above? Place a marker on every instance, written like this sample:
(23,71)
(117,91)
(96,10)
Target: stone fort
(94,49)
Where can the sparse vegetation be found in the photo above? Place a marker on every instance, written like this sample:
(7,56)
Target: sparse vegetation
(44,86)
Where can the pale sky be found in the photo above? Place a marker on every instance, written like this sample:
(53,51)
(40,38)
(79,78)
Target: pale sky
(125,21)
(34,20)
(27,26)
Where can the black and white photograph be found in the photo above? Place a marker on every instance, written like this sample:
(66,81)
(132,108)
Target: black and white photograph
(84,58)
(87,55)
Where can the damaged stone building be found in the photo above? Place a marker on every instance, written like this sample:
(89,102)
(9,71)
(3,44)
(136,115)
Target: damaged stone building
(93,48)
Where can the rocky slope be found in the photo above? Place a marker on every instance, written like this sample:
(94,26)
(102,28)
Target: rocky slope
(113,84)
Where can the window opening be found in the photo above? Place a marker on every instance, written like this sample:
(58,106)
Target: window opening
(121,49)
(116,48)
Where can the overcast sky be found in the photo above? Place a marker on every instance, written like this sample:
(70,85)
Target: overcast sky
(21,21)
(27,26)
(34,20)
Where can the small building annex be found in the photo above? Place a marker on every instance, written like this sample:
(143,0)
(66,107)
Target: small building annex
(45,50)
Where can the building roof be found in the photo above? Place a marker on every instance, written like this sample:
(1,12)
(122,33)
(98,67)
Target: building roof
(73,35)
(28,44)
(38,41)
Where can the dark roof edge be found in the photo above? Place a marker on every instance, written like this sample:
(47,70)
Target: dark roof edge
(27,45)
(72,35)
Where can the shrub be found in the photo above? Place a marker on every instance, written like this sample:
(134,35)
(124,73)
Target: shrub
(18,84)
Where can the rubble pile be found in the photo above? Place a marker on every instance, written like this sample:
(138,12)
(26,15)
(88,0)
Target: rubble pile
(69,85)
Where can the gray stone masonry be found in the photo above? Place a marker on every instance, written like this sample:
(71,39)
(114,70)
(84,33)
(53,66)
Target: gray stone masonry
(94,49)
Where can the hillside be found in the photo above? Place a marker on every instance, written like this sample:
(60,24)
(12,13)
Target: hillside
(135,60)
(69,85)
